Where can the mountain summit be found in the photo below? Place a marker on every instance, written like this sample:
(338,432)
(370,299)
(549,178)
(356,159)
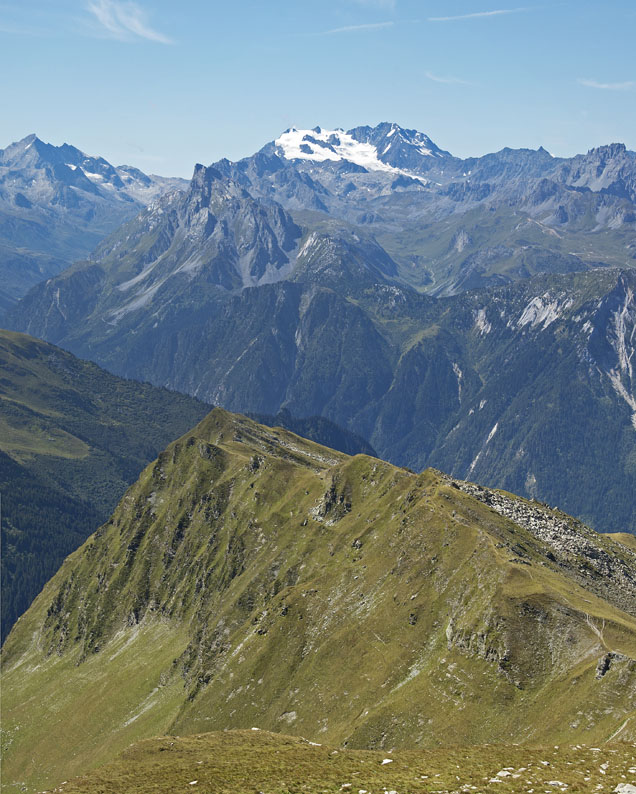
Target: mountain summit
(386,147)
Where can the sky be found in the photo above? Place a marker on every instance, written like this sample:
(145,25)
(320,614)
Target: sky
(163,85)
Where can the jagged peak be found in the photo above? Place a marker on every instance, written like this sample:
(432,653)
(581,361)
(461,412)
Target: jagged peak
(608,150)
(205,176)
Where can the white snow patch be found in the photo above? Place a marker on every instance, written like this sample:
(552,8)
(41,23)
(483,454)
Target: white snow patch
(92,176)
(387,761)
(492,432)
(321,145)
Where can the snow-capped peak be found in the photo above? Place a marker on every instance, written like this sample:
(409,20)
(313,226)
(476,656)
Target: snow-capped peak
(387,147)
(320,145)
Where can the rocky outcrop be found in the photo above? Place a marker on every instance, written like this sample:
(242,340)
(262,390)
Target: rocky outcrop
(597,562)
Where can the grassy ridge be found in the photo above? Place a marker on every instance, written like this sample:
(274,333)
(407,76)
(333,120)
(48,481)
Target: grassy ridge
(252,578)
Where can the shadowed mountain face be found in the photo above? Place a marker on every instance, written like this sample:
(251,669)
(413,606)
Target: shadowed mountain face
(56,204)
(528,387)
(252,578)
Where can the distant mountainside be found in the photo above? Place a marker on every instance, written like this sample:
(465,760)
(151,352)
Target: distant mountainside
(56,204)
(292,280)
(253,579)
(529,387)
(72,439)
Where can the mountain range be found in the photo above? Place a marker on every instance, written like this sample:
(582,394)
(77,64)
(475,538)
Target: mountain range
(247,563)
(56,204)
(473,315)
(451,224)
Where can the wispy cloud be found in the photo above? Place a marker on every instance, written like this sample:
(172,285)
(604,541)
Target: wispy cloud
(436,78)
(126,21)
(355,28)
(477,14)
(625,86)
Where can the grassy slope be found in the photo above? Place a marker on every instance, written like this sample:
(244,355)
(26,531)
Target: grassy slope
(242,762)
(625,538)
(56,408)
(252,578)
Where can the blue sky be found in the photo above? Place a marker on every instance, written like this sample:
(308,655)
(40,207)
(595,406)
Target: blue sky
(162,85)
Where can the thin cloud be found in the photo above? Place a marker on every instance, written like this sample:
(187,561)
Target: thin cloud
(125,21)
(355,28)
(449,80)
(626,86)
(478,14)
